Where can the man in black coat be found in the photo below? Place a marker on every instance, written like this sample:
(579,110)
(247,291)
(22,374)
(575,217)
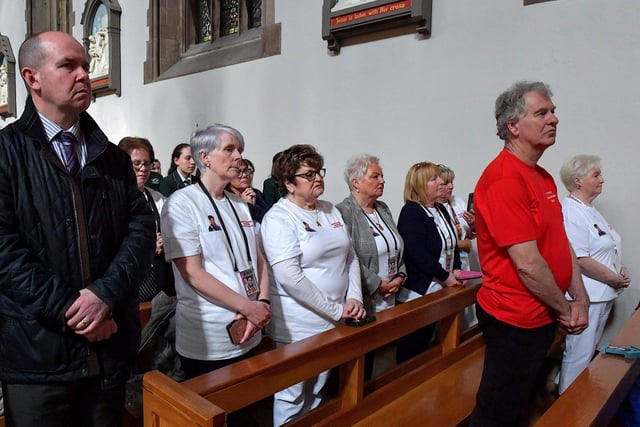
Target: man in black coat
(76,238)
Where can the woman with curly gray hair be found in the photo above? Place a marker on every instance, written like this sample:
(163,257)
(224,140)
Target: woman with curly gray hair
(598,249)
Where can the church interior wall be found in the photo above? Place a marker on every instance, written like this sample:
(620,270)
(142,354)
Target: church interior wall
(404,99)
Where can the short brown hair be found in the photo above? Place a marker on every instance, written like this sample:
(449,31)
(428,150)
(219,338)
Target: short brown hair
(130,143)
(290,160)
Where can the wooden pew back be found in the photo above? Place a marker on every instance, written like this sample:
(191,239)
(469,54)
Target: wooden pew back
(205,399)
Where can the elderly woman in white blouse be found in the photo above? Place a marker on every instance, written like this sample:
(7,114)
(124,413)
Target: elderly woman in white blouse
(598,248)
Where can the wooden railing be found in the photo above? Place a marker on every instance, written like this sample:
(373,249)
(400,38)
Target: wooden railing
(596,395)
(204,400)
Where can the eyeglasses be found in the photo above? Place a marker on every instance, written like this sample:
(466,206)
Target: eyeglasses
(311,175)
(245,172)
(138,164)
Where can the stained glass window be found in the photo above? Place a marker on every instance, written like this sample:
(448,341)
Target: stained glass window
(254,9)
(204,16)
(230,19)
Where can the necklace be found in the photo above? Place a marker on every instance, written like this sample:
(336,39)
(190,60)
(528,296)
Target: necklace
(376,219)
(317,220)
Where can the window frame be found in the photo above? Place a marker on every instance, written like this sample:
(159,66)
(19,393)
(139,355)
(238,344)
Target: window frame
(172,50)
(111,83)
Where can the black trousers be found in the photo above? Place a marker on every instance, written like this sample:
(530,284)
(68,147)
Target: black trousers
(512,362)
(79,404)
(194,367)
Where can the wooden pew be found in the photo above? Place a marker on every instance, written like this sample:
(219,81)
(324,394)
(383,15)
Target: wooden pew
(452,368)
(596,395)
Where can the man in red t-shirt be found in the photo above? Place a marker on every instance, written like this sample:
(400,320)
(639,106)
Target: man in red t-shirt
(526,259)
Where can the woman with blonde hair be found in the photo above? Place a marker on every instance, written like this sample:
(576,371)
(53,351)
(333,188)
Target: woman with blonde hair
(431,250)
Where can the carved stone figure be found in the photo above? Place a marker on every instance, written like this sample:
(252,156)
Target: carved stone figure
(99,53)
(4,85)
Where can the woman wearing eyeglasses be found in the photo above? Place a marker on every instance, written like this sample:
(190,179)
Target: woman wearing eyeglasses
(316,271)
(160,277)
(241,186)
(598,248)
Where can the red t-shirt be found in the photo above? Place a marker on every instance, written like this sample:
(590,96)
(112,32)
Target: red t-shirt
(516,203)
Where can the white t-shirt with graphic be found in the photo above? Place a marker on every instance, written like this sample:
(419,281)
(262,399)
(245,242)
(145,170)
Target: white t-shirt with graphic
(191,226)
(319,240)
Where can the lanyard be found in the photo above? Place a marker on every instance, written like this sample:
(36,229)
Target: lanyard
(395,242)
(224,227)
(450,231)
(456,221)
(154,209)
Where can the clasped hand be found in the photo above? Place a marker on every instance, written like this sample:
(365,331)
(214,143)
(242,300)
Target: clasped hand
(89,316)
(353,309)
(577,319)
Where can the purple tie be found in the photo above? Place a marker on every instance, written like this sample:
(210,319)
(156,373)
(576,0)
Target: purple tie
(69,142)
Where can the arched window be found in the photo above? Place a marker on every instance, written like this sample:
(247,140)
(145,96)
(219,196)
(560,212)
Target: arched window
(189,36)
(7,79)
(101,38)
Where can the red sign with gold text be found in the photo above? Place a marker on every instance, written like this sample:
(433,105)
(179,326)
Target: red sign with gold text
(368,13)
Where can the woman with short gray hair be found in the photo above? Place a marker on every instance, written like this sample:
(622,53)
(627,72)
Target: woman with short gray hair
(598,249)
(373,231)
(374,235)
(220,274)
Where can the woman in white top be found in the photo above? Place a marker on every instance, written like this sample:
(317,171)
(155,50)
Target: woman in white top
(465,224)
(316,271)
(210,237)
(464,220)
(598,249)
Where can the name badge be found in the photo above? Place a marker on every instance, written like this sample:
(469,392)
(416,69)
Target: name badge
(392,266)
(249,281)
(448,260)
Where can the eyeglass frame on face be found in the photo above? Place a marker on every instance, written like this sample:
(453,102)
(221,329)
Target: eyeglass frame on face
(138,164)
(311,175)
(245,172)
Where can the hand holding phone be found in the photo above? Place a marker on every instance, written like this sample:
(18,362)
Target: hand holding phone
(236,329)
(470,202)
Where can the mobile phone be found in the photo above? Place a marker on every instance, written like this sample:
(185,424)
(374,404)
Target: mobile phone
(468,275)
(350,321)
(236,329)
(470,202)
